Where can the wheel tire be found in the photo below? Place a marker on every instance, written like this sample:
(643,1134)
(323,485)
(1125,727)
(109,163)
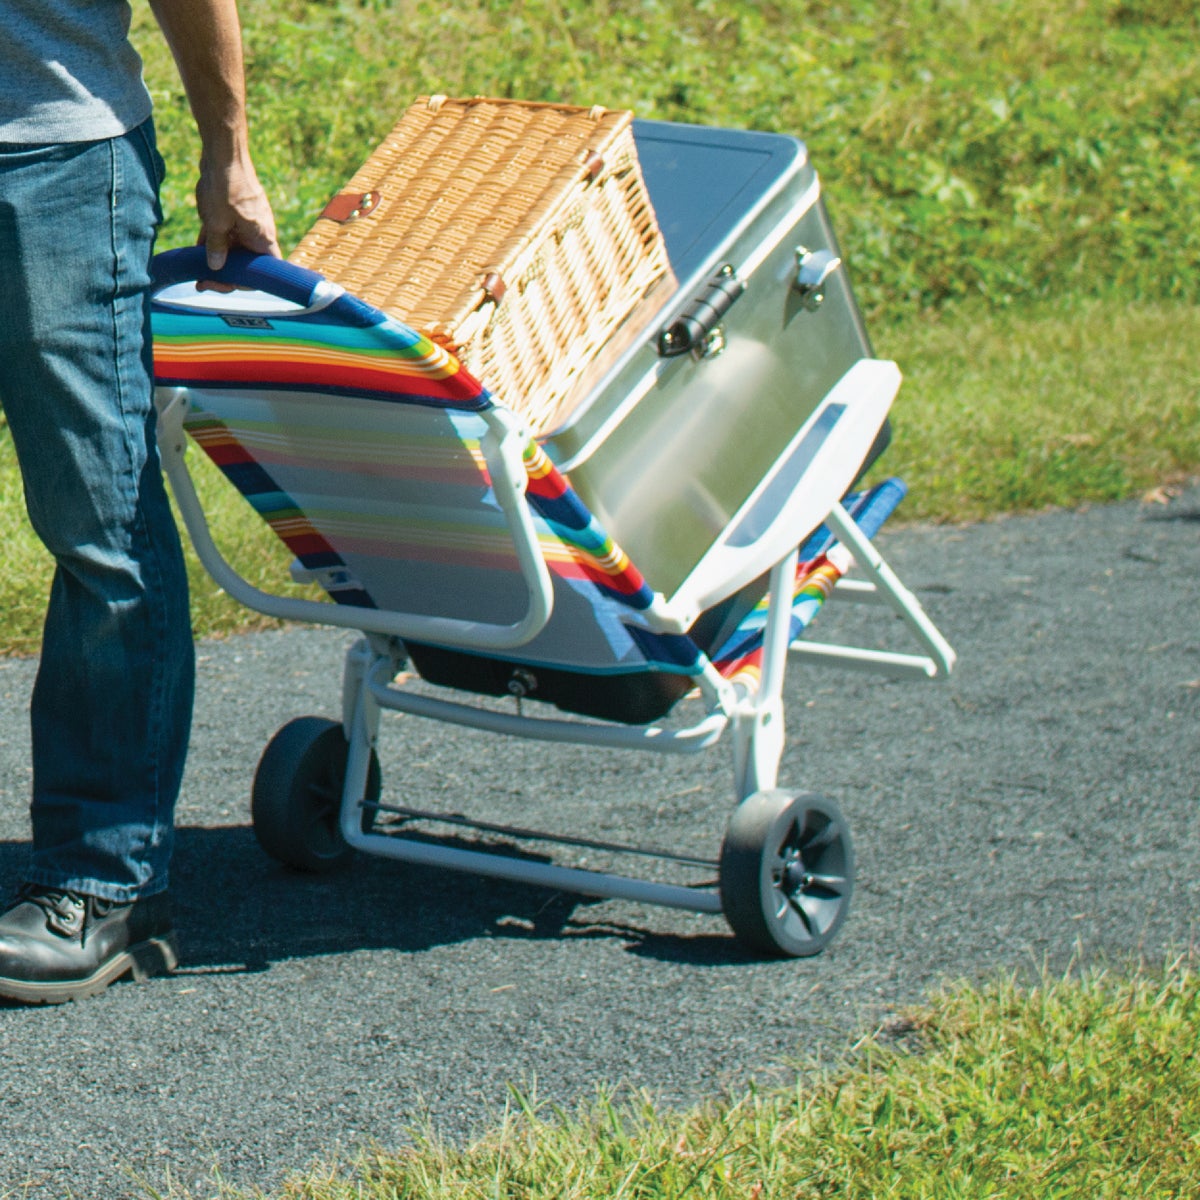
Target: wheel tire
(787,872)
(297,795)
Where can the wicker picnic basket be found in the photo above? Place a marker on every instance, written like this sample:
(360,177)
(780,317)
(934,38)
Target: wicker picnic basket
(518,235)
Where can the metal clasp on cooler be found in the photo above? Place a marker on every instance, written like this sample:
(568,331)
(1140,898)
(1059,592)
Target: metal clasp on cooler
(697,328)
(814,268)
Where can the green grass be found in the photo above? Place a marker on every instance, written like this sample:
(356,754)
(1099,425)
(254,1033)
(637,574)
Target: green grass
(1051,405)
(1085,1087)
(1001,149)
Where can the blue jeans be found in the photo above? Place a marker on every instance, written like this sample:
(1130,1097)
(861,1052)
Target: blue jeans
(112,703)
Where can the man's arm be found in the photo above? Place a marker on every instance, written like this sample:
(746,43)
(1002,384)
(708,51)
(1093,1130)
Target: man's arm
(206,41)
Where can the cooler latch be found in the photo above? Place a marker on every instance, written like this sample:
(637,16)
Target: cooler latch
(813,271)
(696,329)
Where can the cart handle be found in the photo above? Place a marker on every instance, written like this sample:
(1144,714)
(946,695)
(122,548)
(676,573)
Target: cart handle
(264,273)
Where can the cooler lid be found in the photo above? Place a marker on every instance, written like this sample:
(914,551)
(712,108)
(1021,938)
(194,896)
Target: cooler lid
(702,182)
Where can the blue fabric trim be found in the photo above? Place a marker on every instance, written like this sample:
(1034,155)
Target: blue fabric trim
(869,509)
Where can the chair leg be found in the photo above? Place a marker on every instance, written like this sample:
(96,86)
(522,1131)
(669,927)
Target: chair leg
(758,725)
(360,721)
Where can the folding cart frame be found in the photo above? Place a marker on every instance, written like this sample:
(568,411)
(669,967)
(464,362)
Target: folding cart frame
(786,868)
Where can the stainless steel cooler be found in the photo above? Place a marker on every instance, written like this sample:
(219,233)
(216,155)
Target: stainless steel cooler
(729,389)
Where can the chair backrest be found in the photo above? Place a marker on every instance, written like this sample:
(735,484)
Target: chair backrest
(359,441)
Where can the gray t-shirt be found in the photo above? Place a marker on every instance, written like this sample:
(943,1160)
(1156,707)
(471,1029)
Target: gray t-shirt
(68,72)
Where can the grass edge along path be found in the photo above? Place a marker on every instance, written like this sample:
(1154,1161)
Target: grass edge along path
(1000,412)
(1083,1085)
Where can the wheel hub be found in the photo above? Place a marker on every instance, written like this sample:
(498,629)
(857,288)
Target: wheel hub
(795,876)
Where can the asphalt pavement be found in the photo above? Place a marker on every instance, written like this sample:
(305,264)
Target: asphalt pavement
(1039,806)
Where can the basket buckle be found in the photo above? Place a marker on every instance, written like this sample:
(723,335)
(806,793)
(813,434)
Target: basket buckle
(349,206)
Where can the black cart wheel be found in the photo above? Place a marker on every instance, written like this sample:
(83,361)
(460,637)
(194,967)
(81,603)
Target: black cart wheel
(787,872)
(297,795)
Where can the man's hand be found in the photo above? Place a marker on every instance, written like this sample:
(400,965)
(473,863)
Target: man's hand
(233,211)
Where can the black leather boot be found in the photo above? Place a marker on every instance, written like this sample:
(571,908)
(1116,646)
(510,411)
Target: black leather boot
(57,945)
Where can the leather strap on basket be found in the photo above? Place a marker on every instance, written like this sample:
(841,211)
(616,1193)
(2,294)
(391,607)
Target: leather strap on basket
(349,206)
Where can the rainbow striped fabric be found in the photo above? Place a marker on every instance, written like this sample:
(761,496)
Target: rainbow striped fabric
(360,446)
(740,660)
(359,441)
(591,553)
(309,352)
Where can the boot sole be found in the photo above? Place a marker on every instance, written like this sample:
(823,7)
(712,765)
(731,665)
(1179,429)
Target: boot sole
(156,956)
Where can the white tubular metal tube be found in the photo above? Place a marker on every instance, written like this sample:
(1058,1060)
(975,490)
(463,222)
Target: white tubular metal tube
(859,591)
(777,633)
(882,662)
(758,727)
(565,879)
(582,733)
(509,481)
(870,561)
(497,865)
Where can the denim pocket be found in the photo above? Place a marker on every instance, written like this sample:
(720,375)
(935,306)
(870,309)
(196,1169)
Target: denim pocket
(147,144)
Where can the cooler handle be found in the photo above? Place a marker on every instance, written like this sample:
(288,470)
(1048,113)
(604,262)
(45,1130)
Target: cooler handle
(697,324)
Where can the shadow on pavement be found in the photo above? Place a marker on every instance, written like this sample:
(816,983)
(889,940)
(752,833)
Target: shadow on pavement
(238,911)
